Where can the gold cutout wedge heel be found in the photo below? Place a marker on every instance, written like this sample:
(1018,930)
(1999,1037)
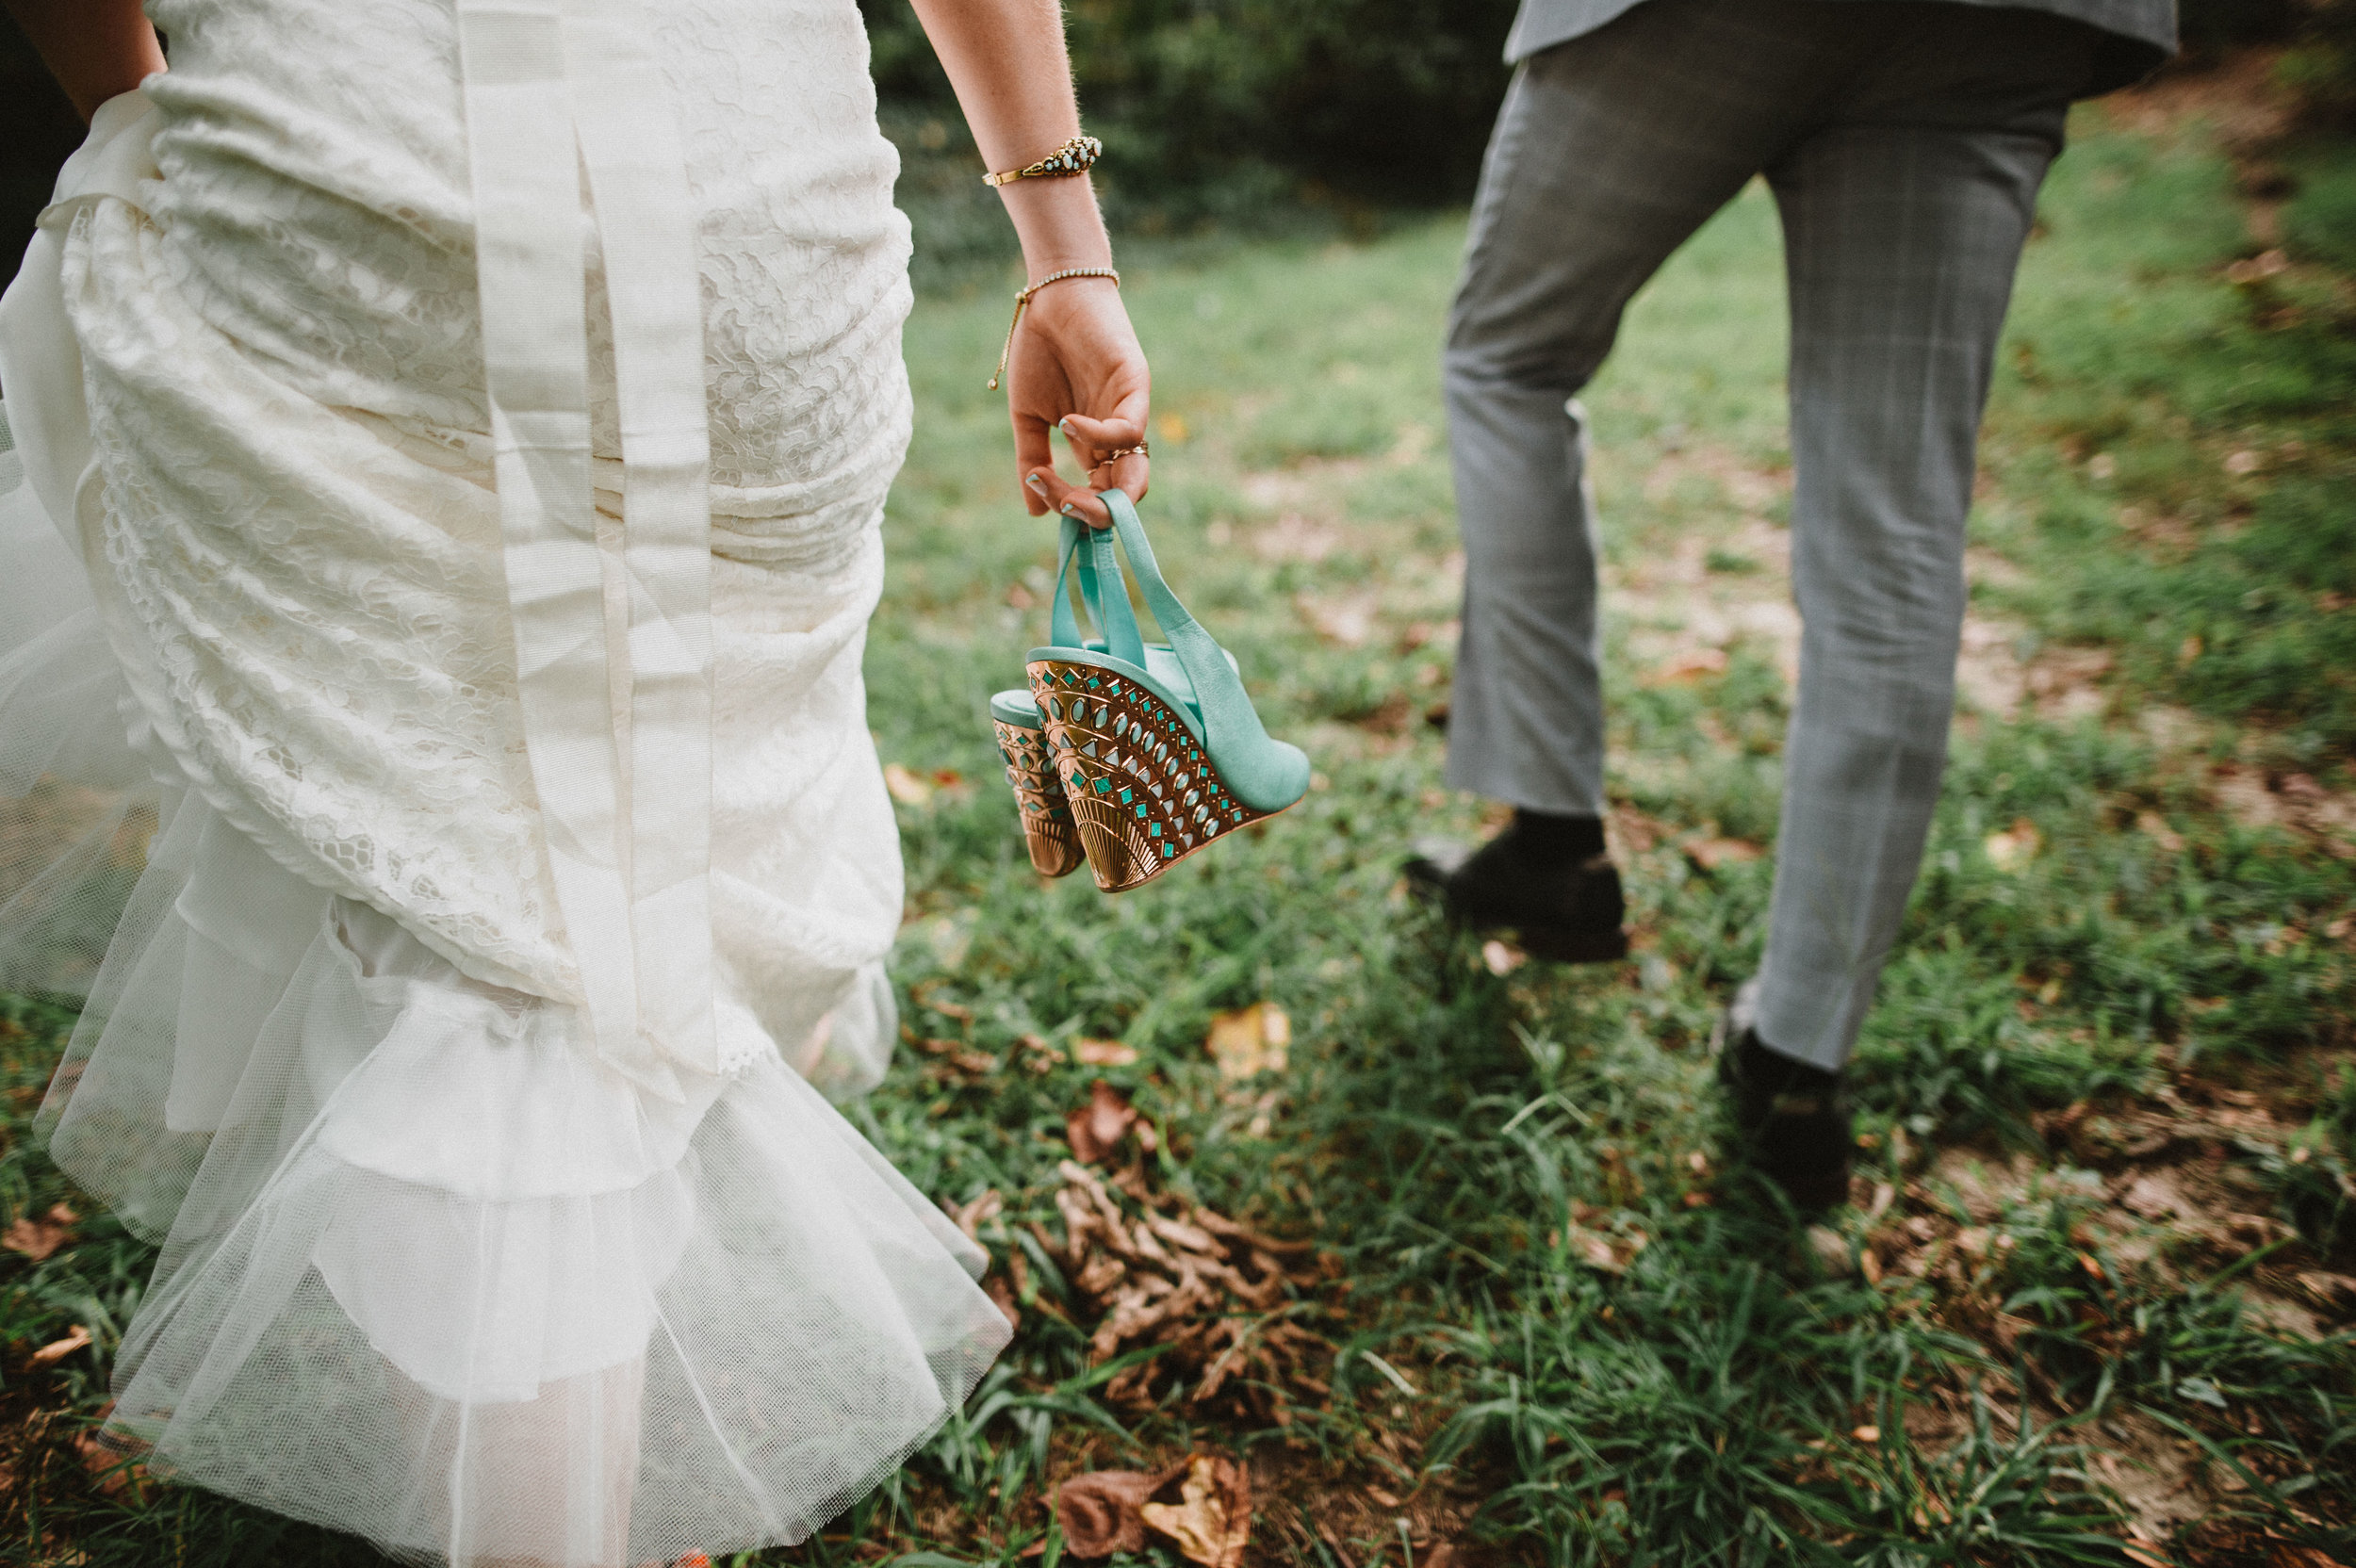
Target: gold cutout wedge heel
(1135,778)
(1048,829)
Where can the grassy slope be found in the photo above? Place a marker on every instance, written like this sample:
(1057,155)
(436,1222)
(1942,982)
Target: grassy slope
(2128,962)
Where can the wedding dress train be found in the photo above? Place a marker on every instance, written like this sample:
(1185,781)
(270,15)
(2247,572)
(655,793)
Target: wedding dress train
(452,439)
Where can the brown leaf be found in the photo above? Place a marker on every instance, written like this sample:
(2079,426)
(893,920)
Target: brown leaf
(2331,1290)
(970,1217)
(1709,854)
(1211,1522)
(38,1238)
(57,1350)
(111,1458)
(1249,1040)
(2287,1555)
(1102,1054)
(1099,1512)
(1096,1129)
(1691,665)
(1001,1295)
(1611,1254)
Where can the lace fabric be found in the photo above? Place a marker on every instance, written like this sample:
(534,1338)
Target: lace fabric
(432,1269)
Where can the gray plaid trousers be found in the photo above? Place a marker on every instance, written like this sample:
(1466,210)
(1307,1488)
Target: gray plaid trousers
(1904,146)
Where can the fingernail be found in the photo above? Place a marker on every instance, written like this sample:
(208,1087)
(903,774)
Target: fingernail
(1064,424)
(1069,510)
(1036,483)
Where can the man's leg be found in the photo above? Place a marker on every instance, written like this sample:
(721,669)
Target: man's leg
(1609,151)
(1904,221)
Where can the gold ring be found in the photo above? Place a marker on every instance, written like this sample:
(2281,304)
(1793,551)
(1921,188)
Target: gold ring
(1138,450)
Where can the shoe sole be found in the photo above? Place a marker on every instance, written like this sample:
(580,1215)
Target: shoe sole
(1142,794)
(1573,947)
(1048,829)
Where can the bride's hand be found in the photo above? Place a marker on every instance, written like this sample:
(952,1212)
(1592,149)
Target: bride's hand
(1075,365)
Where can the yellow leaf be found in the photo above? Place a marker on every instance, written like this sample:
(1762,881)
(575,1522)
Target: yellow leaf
(1502,959)
(1211,1522)
(1249,1041)
(1102,1052)
(2013,848)
(57,1350)
(906,787)
(1709,854)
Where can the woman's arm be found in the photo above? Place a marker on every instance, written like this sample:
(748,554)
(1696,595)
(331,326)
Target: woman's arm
(1076,361)
(95,48)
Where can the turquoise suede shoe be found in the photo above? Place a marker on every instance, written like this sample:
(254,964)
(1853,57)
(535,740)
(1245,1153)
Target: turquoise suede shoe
(1156,746)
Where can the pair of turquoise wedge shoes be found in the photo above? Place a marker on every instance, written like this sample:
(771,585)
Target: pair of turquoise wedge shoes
(1126,754)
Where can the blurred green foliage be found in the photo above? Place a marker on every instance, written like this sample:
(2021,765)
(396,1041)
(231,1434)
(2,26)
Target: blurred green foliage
(1383,100)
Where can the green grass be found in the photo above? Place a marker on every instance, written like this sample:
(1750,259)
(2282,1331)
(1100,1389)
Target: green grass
(2132,908)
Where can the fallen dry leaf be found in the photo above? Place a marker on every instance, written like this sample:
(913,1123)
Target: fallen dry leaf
(1097,1128)
(38,1238)
(2290,1555)
(1502,959)
(1348,622)
(57,1350)
(1211,1522)
(2013,848)
(907,787)
(1225,1304)
(989,1206)
(1249,1040)
(2331,1290)
(1691,665)
(1868,1434)
(1102,1052)
(111,1458)
(1611,1254)
(1100,1511)
(1002,1296)
(2153,1196)
(1709,854)
(2155,827)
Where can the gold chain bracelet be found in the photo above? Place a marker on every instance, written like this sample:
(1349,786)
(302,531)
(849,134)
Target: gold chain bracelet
(1076,157)
(1024,299)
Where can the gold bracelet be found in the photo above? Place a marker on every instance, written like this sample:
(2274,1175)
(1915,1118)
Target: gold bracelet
(1076,157)
(1024,298)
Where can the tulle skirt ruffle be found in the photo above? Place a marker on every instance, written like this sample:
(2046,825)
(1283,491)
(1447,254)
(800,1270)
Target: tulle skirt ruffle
(433,1274)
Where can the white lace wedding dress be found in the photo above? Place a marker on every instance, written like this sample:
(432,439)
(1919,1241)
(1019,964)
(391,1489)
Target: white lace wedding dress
(452,439)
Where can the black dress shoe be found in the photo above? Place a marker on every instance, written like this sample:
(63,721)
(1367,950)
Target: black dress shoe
(1791,1119)
(1563,904)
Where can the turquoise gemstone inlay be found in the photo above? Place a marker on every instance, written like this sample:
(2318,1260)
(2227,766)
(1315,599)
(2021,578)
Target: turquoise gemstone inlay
(1104,785)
